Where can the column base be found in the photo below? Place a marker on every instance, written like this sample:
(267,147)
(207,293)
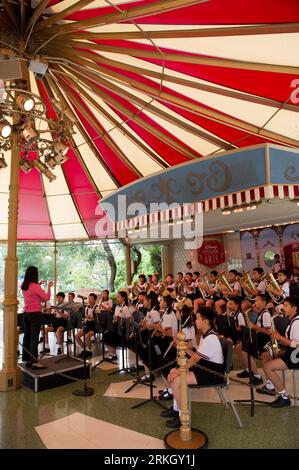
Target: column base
(173,440)
(10,380)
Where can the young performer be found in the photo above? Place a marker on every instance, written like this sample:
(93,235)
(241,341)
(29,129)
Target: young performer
(277,266)
(263,326)
(105,303)
(289,358)
(89,324)
(114,339)
(259,287)
(211,292)
(209,355)
(59,325)
(234,290)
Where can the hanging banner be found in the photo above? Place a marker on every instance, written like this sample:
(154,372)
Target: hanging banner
(211,253)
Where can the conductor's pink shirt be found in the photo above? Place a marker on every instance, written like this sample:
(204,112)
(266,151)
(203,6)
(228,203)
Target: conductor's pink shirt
(33,298)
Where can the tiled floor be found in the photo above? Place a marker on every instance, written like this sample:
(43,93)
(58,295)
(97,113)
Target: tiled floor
(79,431)
(28,420)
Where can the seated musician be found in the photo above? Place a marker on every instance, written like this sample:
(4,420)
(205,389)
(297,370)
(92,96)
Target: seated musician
(259,287)
(142,284)
(169,282)
(189,288)
(71,299)
(155,284)
(117,338)
(186,314)
(209,354)
(234,314)
(282,291)
(89,325)
(162,334)
(289,358)
(105,303)
(209,290)
(295,276)
(139,305)
(263,326)
(232,290)
(59,325)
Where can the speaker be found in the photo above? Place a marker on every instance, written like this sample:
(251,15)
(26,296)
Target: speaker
(10,69)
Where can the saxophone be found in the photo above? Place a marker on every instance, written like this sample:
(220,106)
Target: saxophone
(272,347)
(277,299)
(247,279)
(247,321)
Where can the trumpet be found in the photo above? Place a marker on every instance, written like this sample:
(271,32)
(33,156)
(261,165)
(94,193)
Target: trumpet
(204,280)
(247,280)
(247,321)
(271,281)
(272,347)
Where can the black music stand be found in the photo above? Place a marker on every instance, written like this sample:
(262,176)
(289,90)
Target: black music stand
(87,391)
(152,398)
(227,327)
(122,328)
(69,321)
(104,322)
(249,345)
(138,342)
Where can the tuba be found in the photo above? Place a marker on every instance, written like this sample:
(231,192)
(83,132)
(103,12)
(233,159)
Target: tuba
(277,299)
(223,280)
(272,347)
(247,279)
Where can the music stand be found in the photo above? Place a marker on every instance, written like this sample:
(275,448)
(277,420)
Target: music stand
(138,341)
(69,309)
(87,391)
(227,327)
(104,322)
(123,328)
(152,398)
(249,345)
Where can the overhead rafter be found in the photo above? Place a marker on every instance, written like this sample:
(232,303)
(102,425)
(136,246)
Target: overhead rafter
(135,117)
(10,12)
(229,92)
(39,10)
(44,23)
(186,58)
(133,13)
(274,28)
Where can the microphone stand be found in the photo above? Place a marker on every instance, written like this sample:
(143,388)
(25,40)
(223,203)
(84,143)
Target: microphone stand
(87,391)
(127,370)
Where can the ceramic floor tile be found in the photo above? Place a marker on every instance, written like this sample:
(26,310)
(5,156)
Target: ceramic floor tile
(84,432)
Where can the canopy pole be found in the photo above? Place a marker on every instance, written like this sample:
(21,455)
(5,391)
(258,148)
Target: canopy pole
(128,264)
(166,261)
(10,373)
(55,252)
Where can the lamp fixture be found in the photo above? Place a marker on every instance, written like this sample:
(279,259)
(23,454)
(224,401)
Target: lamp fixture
(5,129)
(3,163)
(42,168)
(25,102)
(226,212)
(30,134)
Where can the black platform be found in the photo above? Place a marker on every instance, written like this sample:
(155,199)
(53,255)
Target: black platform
(51,377)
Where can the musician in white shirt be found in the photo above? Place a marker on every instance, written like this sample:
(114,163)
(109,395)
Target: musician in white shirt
(89,326)
(122,318)
(105,303)
(59,325)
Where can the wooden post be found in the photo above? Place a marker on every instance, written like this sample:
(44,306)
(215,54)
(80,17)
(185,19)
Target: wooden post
(128,264)
(10,373)
(166,262)
(185,437)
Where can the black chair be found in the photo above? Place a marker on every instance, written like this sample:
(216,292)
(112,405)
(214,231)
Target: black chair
(221,386)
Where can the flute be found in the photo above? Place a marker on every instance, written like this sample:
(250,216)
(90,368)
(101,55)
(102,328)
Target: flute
(172,342)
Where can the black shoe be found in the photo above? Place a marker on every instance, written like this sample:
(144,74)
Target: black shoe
(45,350)
(256,381)
(243,375)
(162,391)
(59,351)
(88,354)
(169,413)
(34,367)
(266,391)
(174,423)
(280,402)
(28,364)
(41,340)
(165,396)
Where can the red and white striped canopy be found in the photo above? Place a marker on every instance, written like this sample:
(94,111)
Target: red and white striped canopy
(153,83)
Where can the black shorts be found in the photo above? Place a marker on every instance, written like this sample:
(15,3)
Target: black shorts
(288,356)
(262,340)
(204,377)
(58,323)
(90,326)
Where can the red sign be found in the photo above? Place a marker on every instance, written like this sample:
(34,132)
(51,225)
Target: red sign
(211,253)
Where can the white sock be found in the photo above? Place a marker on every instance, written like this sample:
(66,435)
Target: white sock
(170,391)
(258,376)
(269,385)
(46,345)
(175,405)
(283,394)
